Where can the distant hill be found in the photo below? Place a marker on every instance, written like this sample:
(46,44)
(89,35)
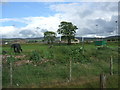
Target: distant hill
(113,37)
(106,38)
(80,38)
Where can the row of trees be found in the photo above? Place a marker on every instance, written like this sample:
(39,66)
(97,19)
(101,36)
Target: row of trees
(67,29)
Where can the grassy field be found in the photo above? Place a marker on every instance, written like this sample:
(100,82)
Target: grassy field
(50,66)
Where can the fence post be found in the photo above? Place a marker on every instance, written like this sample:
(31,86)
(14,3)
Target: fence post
(70,71)
(111,65)
(11,82)
(102,80)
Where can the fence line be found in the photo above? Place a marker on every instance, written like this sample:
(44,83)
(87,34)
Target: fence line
(70,71)
(111,65)
(11,74)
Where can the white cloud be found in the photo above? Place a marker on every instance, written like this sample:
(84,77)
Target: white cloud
(7,19)
(9,31)
(35,27)
(22,20)
(84,15)
(87,15)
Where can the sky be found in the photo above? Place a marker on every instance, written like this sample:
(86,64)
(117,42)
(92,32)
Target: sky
(32,19)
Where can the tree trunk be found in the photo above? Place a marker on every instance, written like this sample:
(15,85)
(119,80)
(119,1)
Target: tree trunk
(69,40)
(48,42)
(51,41)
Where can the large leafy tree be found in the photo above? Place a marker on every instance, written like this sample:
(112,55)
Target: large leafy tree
(49,36)
(68,30)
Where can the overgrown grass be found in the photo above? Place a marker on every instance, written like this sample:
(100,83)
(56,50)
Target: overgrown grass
(94,62)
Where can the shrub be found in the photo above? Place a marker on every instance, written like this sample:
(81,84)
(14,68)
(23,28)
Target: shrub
(35,56)
(49,54)
(10,59)
(77,55)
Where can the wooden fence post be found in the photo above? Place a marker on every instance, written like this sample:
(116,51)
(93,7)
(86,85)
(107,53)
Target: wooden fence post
(11,81)
(111,65)
(102,80)
(70,70)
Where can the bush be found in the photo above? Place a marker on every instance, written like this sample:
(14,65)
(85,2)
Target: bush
(35,56)
(10,59)
(77,55)
(49,54)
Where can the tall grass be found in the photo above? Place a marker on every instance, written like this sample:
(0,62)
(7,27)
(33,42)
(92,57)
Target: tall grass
(90,64)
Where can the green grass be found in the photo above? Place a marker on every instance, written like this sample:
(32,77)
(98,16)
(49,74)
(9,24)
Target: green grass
(91,82)
(93,64)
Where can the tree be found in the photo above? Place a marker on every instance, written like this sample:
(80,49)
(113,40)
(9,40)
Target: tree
(49,36)
(68,30)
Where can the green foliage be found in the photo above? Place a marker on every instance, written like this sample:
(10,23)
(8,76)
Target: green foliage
(49,54)
(32,41)
(68,30)
(76,54)
(102,48)
(10,59)
(49,36)
(35,56)
(57,70)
